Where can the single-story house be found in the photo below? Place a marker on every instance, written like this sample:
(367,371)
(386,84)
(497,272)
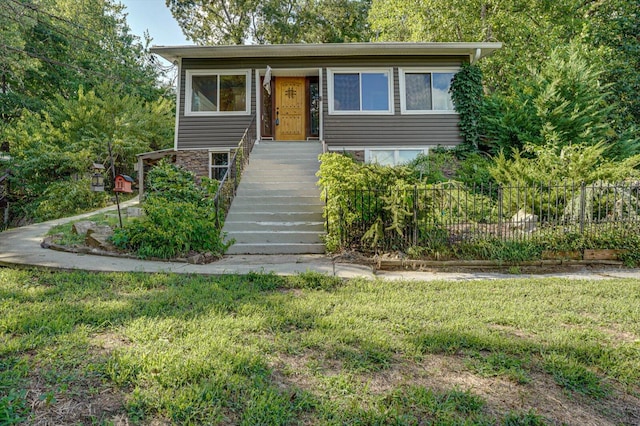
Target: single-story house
(383,102)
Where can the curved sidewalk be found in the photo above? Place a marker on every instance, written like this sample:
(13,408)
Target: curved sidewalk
(21,247)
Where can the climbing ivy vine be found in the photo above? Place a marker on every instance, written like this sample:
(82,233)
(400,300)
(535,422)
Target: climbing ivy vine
(467,95)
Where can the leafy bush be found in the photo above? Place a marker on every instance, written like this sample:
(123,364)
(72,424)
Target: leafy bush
(62,141)
(180,218)
(69,197)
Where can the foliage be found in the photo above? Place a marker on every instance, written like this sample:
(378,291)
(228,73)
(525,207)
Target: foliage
(179,218)
(605,32)
(541,165)
(68,197)
(433,167)
(52,47)
(222,349)
(473,171)
(61,143)
(272,21)
(467,95)
(377,205)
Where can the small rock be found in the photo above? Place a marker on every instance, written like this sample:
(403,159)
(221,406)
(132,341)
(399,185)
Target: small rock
(134,211)
(196,259)
(524,221)
(100,229)
(82,227)
(99,241)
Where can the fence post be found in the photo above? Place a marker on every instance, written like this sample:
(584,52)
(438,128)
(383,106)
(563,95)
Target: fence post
(500,212)
(582,206)
(415,215)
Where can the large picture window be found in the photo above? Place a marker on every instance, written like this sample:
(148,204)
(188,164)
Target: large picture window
(360,91)
(217,92)
(426,91)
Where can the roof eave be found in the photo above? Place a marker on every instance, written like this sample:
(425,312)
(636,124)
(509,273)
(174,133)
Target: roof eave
(173,53)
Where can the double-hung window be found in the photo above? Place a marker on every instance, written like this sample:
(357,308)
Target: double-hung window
(424,91)
(210,92)
(360,91)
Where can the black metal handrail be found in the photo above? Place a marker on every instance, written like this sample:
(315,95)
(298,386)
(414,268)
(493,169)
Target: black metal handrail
(231,179)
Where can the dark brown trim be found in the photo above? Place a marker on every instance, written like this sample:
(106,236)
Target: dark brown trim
(267,133)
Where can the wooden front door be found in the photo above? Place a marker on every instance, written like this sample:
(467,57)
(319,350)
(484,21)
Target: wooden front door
(290,108)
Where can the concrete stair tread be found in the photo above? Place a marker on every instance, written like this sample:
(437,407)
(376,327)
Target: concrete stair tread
(277,208)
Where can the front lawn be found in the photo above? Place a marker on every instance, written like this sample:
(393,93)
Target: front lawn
(82,348)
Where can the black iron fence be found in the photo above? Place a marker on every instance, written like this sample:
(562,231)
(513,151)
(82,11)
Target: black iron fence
(449,213)
(231,179)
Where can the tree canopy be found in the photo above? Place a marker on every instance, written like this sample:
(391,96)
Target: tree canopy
(72,78)
(272,21)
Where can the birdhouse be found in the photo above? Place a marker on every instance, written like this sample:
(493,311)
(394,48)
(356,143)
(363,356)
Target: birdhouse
(97,179)
(123,184)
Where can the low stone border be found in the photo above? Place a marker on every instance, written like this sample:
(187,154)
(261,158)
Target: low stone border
(408,264)
(196,259)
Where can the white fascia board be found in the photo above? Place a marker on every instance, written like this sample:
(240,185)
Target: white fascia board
(173,53)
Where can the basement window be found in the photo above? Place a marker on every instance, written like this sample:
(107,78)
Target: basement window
(219,165)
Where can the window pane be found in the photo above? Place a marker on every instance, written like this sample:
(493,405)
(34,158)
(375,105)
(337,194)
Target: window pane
(382,157)
(406,155)
(220,159)
(314,107)
(441,96)
(233,93)
(346,92)
(204,93)
(217,173)
(375,92)
(417,91)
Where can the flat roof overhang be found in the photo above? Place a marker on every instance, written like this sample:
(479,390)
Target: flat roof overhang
(475,50)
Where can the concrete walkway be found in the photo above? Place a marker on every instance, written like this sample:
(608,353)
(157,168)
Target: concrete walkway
(21,247)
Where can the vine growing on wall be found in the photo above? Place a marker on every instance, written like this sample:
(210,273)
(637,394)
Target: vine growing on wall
(467,95)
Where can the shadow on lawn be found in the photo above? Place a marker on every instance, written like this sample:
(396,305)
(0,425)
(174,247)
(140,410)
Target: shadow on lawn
(189,374)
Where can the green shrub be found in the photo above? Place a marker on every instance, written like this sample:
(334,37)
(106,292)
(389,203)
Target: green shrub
(180,217)
(69,197)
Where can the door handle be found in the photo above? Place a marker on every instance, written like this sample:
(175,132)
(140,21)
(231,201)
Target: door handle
(277,116)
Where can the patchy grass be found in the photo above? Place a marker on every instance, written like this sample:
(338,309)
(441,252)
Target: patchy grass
(261,349)
(64,235)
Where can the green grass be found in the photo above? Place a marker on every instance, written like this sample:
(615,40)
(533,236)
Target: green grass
(65,236)
(262,349)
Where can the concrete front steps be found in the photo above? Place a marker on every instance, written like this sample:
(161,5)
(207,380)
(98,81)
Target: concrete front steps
(278,209)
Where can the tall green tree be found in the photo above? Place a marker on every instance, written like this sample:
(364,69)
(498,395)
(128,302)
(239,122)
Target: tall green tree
(52,47)
(272,21)
(530,31)
(52,149)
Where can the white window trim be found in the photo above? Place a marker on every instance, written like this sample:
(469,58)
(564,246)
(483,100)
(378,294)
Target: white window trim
(218,151)
(332,71)
(396,155)
(188,92)
(402,86)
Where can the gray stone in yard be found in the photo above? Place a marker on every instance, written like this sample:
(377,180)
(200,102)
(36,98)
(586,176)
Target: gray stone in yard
(134,212)
(82,227)
(99,241)
(524,221)
(100,229)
